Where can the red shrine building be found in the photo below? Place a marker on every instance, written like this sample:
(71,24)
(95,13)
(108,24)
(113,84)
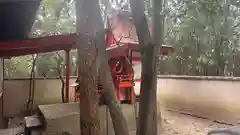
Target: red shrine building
(122,46)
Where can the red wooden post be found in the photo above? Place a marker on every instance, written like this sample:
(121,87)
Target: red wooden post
(67,74)
(119,93)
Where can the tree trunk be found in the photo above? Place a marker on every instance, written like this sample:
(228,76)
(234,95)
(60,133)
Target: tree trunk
(158,34)
(147,124)
(118,120)
(92,10)
(87,69)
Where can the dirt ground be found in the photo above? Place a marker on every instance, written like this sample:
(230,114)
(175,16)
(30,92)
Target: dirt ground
(174,123)
(180,124)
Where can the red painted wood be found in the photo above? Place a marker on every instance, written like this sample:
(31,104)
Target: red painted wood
(39,42)
(125,84)
(109,39)
(61,42)
(137,80)
(119,94)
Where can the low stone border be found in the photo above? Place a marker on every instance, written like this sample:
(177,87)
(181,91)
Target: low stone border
(185,77)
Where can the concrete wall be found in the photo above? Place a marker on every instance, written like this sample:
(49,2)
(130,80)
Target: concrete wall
(215,98)
(47,91)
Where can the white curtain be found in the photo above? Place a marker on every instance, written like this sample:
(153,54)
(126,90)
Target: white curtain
(137,68)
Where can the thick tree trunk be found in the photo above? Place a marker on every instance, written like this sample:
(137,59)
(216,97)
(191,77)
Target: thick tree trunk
(147,124)
(158,34)
(87,69)
(94,20)
(118,120)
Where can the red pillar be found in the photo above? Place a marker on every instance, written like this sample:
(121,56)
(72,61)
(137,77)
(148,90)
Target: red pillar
(67,74)
(109,38)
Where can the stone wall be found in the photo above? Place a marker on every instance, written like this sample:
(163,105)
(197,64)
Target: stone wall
(213,97)
(216,98)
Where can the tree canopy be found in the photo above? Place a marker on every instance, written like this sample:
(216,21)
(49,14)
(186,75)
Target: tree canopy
(205,35)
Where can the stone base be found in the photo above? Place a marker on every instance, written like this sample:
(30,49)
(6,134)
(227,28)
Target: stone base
(65,118)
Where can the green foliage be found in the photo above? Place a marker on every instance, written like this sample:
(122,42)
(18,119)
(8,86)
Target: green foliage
(55,17)
(18,66)
(54,64)
(205,35)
